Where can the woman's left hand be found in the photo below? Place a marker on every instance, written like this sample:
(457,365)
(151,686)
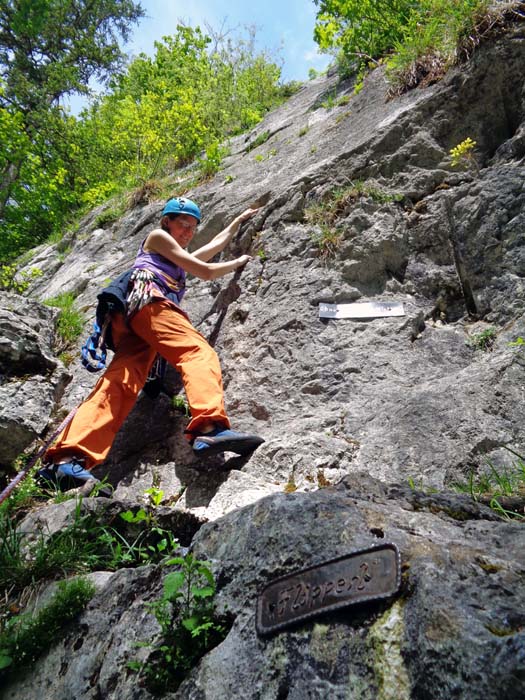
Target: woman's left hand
(247,214)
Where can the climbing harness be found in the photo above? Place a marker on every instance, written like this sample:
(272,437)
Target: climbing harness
(140,284)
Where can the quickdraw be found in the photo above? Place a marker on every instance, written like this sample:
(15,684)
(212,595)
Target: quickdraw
(142,290)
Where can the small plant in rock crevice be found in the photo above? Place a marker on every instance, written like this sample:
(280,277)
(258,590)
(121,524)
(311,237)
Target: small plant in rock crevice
(152,542)
(337,203)
(484,340)
(258,141)
(189,625)
(290,485)
(463,156)
(28,636)
(501,488)
(70,323)
(109,216)
(259,157)
(419,486)
(327,240)
(322,481)
(180,404)
(145,193)
(262,255)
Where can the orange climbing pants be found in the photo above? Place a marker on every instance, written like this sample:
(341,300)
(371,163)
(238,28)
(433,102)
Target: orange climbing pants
(157,328)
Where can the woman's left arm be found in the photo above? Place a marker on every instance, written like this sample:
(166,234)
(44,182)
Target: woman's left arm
(221,240)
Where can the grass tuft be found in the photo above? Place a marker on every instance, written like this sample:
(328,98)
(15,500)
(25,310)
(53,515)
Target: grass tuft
(70,323)
(501,488)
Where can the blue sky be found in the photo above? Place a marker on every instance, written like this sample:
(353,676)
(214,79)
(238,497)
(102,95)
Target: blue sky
(284,27)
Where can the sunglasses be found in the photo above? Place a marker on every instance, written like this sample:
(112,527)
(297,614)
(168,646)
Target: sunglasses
(187,225)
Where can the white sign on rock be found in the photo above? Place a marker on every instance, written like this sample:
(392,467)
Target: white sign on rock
(366,309)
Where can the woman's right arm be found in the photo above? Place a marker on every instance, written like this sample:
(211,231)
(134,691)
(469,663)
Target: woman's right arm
(158,241)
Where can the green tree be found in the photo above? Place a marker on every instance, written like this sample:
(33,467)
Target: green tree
(157,115)
(48,49)
(420,37)
(166,110)
(361,29)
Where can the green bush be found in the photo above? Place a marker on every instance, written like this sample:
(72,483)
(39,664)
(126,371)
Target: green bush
(420,40)
(10,282)
(214,157)
(361,29)
(434,39)
(156,117)
(84,545)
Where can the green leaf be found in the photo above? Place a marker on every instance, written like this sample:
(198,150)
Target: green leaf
(204,628)
(176,560)
(205,592)
(206,572)
(190,623)
(516,343)
(128,516)
(173,582)
(131,517)
(5,660)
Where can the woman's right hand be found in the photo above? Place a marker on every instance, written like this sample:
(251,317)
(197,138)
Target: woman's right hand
(241,262)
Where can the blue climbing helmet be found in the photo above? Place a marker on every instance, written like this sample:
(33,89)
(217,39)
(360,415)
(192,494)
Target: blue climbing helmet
(181,205)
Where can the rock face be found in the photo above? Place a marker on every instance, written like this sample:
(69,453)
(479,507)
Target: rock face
(454,630)
(32,381)
(398,399)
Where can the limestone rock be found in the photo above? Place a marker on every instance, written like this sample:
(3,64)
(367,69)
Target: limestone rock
(26,336)
(454,629)
(32,380)
(371,405)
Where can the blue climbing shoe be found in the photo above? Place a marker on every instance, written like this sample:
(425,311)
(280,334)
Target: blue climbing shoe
(70,475)
(225,440)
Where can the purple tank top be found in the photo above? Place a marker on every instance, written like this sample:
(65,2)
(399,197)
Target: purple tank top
(170,278)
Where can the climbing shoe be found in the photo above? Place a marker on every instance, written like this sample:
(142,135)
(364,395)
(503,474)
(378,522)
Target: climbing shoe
(225,440)
(70,475)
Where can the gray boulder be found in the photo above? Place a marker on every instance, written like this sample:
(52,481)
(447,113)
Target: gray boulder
(32,380)
(454,629)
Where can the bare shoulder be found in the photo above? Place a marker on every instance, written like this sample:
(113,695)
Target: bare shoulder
(155,235)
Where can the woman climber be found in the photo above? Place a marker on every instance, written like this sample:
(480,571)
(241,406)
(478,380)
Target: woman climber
(155,323)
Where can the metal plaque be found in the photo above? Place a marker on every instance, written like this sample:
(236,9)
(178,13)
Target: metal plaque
(366,309)
(358,577)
